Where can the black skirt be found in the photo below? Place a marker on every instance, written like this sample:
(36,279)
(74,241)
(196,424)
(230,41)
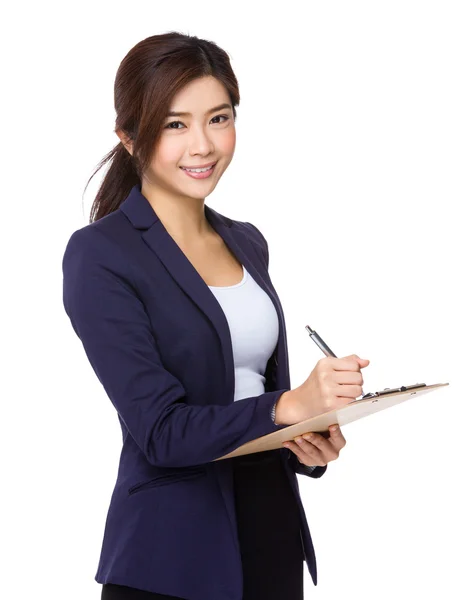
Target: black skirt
(268,530)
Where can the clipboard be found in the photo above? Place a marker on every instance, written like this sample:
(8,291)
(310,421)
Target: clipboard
(357,409)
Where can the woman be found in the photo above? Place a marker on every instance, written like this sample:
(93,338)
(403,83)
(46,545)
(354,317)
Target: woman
(180,321)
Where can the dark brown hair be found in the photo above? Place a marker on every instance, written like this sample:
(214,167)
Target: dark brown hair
(148,78)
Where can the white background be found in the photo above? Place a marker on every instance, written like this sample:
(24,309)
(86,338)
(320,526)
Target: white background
(347,160)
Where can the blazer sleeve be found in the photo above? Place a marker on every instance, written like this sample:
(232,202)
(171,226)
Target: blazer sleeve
(109,317)
(302,469)
(297,466)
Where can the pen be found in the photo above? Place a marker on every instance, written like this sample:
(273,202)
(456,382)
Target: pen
(321,344)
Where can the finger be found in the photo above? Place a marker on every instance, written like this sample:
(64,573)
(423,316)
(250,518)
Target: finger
(327,450)
(310,457)
(361,361)
(349,377)
(347,391)
(343,364)
(311,450)
(337,439)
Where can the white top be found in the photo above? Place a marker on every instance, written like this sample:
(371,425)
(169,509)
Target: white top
(254,329)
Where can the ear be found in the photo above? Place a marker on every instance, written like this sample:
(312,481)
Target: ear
(125,140)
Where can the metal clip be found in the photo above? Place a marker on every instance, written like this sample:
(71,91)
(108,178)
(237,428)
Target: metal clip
(387,391)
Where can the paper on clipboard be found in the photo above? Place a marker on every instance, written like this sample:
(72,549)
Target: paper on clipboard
(357,409)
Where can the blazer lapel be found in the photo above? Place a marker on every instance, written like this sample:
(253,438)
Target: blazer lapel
(142,216)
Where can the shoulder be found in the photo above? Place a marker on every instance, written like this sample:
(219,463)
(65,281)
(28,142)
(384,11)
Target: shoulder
(250,231)
(96,268)
(257,238)
(100,253)
(104,237)
(256,234)
(245,228)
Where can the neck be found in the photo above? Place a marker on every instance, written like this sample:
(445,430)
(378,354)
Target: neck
(183,217)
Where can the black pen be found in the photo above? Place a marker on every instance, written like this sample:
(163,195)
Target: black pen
(321,344)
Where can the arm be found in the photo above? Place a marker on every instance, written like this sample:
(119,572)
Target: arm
(110,319)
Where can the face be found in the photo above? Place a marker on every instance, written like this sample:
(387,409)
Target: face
(191,140)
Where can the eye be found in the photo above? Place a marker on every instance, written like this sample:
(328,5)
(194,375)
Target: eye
(168,126)
(219,116)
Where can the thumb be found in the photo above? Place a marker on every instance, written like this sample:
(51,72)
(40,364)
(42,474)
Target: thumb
(359,359)
(363,362)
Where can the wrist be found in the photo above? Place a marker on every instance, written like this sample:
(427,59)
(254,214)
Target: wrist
(285,409)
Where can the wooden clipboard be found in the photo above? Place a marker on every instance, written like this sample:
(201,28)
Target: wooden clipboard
(357,409)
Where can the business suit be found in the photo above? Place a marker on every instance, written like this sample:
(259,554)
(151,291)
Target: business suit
(159,343)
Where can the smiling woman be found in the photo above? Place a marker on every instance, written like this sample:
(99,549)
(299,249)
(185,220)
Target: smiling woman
(183,327)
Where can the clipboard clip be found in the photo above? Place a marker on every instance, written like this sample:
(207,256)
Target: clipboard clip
(387,391)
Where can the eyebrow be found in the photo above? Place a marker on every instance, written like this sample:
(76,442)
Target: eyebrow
(173,113)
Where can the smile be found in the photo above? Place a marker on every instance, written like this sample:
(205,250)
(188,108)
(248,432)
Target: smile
(200,173)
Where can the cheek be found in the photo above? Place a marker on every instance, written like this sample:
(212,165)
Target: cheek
(227,142)
(168,154)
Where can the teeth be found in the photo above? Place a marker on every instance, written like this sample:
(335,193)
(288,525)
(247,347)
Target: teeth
(198,170)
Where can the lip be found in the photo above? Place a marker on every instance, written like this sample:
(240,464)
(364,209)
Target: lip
(201,174)
(200,166)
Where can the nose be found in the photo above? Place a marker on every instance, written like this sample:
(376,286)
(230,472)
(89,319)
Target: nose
(200,142)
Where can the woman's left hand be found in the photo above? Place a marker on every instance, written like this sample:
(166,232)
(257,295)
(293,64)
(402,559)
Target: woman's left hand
(317,451)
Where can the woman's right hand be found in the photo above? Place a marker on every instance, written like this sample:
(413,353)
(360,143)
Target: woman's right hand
(333,383)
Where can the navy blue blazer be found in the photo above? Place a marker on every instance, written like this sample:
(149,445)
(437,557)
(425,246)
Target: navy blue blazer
(160,345)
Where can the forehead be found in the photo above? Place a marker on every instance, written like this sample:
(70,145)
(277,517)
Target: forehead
(200,97)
